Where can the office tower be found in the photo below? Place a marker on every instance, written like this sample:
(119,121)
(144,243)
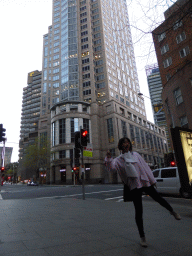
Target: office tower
(89,81)
(172,41)
(8,155)
(155,91)
(29,119)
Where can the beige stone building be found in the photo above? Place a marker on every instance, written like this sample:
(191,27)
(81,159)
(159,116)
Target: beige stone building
(89,80)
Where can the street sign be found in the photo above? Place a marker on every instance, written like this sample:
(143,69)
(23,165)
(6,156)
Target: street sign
(88,150)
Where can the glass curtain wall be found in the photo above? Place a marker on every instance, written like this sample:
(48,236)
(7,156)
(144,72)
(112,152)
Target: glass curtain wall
(69,49)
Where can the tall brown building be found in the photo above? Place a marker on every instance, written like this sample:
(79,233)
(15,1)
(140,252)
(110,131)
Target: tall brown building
(173,44)
(89,80)
(29,120)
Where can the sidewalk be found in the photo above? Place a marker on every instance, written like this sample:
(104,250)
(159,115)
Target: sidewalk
(90,227)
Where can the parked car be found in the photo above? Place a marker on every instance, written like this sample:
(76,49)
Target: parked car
(32,183)
(168,181)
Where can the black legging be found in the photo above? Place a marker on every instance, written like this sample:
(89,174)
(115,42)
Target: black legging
(137,201)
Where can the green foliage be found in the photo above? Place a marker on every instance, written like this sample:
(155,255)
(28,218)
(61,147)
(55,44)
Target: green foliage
(37,155)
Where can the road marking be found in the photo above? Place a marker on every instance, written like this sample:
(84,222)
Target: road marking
(1,197)
(112,198)
(99,192)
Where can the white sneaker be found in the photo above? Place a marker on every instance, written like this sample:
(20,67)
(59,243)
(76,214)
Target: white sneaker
(143,242)
(176,215)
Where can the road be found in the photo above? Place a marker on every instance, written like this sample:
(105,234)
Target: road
(41,192)
(111,192)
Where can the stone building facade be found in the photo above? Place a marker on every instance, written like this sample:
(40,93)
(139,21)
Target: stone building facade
(89,80)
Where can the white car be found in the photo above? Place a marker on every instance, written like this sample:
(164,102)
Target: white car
(168,181)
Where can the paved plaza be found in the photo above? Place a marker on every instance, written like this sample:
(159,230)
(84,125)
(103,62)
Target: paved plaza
(68,226)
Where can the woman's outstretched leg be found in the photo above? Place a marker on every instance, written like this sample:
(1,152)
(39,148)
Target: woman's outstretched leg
(152,192)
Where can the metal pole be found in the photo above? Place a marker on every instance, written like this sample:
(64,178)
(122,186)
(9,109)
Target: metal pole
(74,175)
(82,170)
(82,173)
(0,179)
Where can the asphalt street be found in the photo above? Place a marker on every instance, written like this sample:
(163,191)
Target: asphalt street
(110,192)
(29,192)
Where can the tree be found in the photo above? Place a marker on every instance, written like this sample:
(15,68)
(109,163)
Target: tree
(37,157)
(11,171)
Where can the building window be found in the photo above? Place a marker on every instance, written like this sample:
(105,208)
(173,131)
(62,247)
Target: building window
(181,37)
(137,133)
(53,134)
(87,92)
(86,68)
(74,128)
(132,133)
(86,84)
(178,96)
(177,24)
(167,62)
(147,139)
(62,154)
(85,61)
(86,76)
(100,85)
(164,49)
(61,131)
(167,106)
(43,139)
(110,130)
(124,129)
(184,52)
(161,37)
(184,122)
(168,76)
(143,138)
(44,102)
(122,111)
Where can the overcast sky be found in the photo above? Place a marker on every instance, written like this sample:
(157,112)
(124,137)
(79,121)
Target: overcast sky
(23,24)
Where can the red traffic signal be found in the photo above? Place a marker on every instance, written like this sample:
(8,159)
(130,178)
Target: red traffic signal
(74,168)
(84,137)
(84,133)
(2,169)
(172,163)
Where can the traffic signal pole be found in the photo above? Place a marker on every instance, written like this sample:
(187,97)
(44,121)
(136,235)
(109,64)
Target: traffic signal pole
(81,139)
(82,167)
(83,174)
(74,175)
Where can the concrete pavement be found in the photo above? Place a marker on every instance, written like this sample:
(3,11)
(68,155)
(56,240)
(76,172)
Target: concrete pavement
(66,226)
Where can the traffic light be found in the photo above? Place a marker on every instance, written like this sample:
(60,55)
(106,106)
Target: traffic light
(74,169)
(172,163)
(2,169)
(84,137)
(2,133)
(77,140)
(77,152)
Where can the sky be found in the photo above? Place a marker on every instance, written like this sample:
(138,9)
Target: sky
(23,24)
